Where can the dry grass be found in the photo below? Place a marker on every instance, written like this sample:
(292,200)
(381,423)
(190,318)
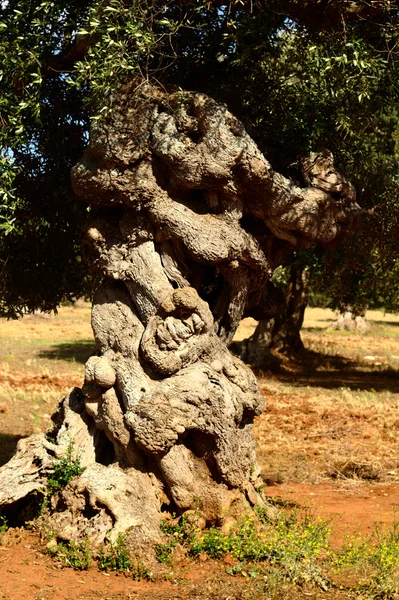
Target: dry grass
(335,415)
(41,357)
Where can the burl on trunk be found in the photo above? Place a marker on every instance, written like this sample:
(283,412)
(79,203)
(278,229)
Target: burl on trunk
(187,223)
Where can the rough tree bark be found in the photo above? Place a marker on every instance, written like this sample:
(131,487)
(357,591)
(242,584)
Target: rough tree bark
(187,223)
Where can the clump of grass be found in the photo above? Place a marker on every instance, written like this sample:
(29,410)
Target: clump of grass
(295,543)
(372,562)
(115,556)
(352,469)
(179,532)
(3,527)
(139,572)
(164,552)
(72,554)
(64,470)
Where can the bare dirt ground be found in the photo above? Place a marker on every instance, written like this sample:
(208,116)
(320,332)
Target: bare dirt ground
(27,573)
(327,439)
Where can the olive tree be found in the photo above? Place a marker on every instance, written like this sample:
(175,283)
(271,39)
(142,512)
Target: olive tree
(185,221)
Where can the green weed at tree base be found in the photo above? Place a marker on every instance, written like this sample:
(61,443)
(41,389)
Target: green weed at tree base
(115,556)
(73,554)
(294,551)
(294,543)
(3,527)
(64,470)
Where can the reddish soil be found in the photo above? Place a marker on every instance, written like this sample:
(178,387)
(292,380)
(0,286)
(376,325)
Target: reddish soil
(27,573)
(31,383)
(351,507)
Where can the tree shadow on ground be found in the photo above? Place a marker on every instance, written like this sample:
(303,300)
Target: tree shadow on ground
(346,378)
(78,351)
(390,323)
(8,445)
(315,369)
(313,329)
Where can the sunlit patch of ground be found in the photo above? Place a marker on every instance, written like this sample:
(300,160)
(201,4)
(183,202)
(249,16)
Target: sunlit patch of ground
(336,414)
(41,358)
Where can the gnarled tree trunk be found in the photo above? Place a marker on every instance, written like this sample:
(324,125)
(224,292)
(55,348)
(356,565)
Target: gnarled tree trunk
(286,334)
(280,335)
(187,223)
(352,319)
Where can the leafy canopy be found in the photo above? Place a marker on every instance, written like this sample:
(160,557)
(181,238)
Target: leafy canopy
(298,73)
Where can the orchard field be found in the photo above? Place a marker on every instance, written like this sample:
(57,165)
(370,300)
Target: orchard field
(327,441)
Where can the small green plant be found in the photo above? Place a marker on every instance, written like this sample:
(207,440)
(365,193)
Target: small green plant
(3,527)
(115,556)
(139,572)
(373,562)
(73,554)
(179,531)
(242,569)
(164,552)
(213,542)
(64,470)
(295,543)
(174,527)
